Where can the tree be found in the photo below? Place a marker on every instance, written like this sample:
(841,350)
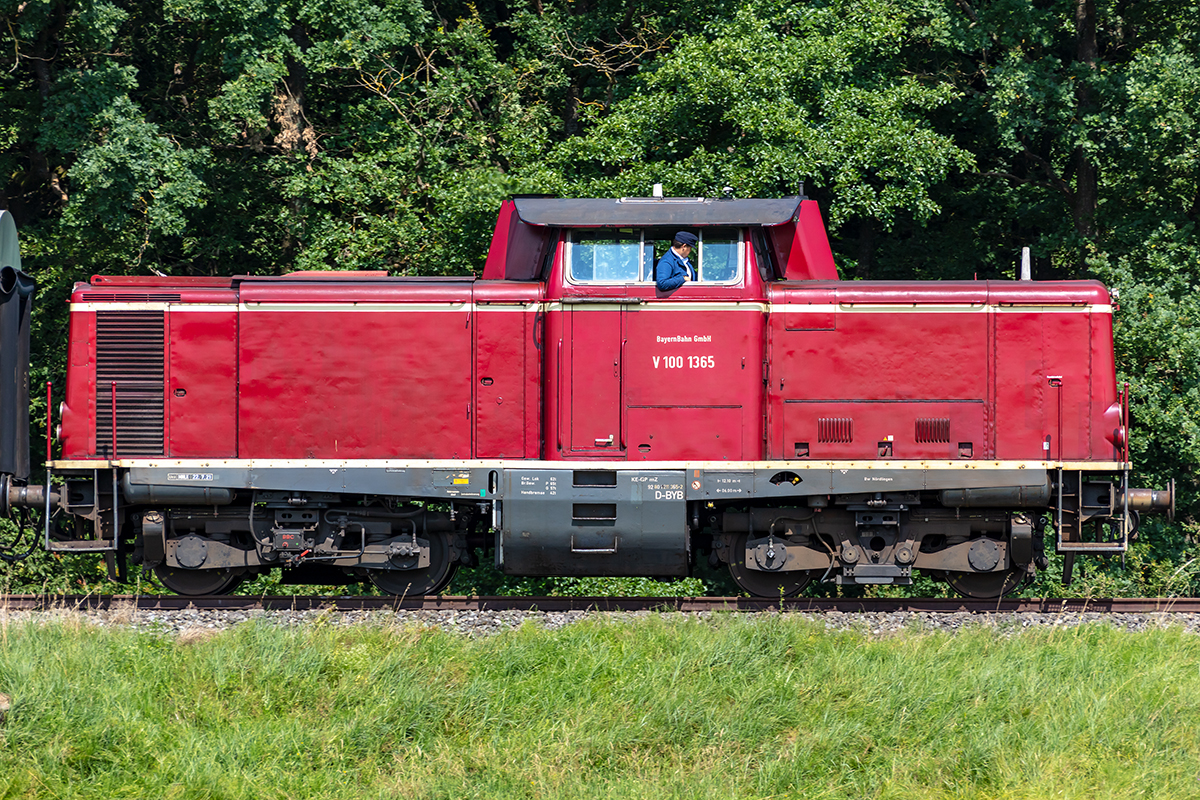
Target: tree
(774,97)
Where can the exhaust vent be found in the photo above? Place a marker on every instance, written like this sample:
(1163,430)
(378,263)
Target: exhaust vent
(130,297)
(130,349)
(838,430)
(934,430)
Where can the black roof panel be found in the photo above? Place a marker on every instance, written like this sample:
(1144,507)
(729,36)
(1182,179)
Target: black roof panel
(630,211)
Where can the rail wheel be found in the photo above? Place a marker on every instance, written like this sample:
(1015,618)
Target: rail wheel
(419,582)
(986,585)
(764,584)
(194,582)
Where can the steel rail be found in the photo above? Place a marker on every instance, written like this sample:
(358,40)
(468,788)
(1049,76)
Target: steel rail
(1046,605)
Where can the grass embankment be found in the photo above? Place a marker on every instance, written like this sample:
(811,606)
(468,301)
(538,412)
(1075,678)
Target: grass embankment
(664,707)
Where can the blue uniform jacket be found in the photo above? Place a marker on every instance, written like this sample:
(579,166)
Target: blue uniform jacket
(671,271)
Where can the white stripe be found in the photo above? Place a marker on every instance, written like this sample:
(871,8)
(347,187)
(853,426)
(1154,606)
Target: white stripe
(1016,309)
(394,308)
(973,308)
(93,306)
(399,307)
(615,305)
(348,306)
(654,305)
(719,466)
(495,306)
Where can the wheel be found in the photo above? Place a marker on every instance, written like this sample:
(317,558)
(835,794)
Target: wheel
(194,582)
(419,582)
(764,584)
(986,585)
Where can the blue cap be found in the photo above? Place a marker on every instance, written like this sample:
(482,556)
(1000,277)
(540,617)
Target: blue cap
(683,237)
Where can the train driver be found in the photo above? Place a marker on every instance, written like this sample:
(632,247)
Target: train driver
(673,268)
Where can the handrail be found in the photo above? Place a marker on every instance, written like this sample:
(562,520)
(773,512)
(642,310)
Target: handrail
(113,452)
(49,406)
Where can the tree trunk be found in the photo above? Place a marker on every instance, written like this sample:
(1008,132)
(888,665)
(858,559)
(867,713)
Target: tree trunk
(295,133)
(44,50)
(571,112)
(1086,195)
(866,248)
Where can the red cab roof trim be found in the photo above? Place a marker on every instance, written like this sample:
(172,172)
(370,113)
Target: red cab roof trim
(644,211)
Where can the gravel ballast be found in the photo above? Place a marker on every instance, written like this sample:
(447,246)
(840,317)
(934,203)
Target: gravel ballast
(485,623)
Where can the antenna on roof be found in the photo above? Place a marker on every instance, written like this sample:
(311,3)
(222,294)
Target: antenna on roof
(1026,273)
(657,190)
(802,188)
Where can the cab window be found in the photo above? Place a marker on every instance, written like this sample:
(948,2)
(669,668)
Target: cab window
(629,255)
(717,256)
(606,256)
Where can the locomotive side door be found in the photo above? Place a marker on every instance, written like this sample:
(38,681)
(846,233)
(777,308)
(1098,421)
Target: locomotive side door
(598,264)
(594,402)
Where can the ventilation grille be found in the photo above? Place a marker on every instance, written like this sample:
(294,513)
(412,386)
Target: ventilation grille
(129,353)
(131,297)
(933,430)
(835,430)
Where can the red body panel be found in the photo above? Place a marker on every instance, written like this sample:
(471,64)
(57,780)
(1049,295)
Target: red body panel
(507,370)
(347,367)
(372,371)
(809,256)
(947,370)
(202,382)
(593,392)
(78,411)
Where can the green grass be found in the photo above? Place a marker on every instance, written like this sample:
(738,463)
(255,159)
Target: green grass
(735,707)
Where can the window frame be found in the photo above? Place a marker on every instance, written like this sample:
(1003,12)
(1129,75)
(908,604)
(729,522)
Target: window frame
(646,271)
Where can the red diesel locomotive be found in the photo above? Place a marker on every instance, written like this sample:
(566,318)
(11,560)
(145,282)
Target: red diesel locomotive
(565,415)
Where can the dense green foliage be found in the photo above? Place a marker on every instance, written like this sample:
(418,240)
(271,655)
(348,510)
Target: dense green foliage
(195,137)
(662,707)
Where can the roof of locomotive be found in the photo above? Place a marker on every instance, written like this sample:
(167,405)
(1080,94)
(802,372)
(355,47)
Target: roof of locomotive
(640,211)
(320,276)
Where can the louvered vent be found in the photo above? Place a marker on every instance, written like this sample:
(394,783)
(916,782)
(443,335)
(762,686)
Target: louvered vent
(131,297)
(129,352)
(835,429)
(933,430)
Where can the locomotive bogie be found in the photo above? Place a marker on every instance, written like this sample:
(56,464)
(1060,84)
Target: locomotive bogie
(350,538)
(881,544)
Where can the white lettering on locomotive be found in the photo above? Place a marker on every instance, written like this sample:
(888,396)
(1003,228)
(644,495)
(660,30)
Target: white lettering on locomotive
(680,362)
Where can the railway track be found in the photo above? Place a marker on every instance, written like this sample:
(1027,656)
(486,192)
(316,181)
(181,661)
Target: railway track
(1134,605)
